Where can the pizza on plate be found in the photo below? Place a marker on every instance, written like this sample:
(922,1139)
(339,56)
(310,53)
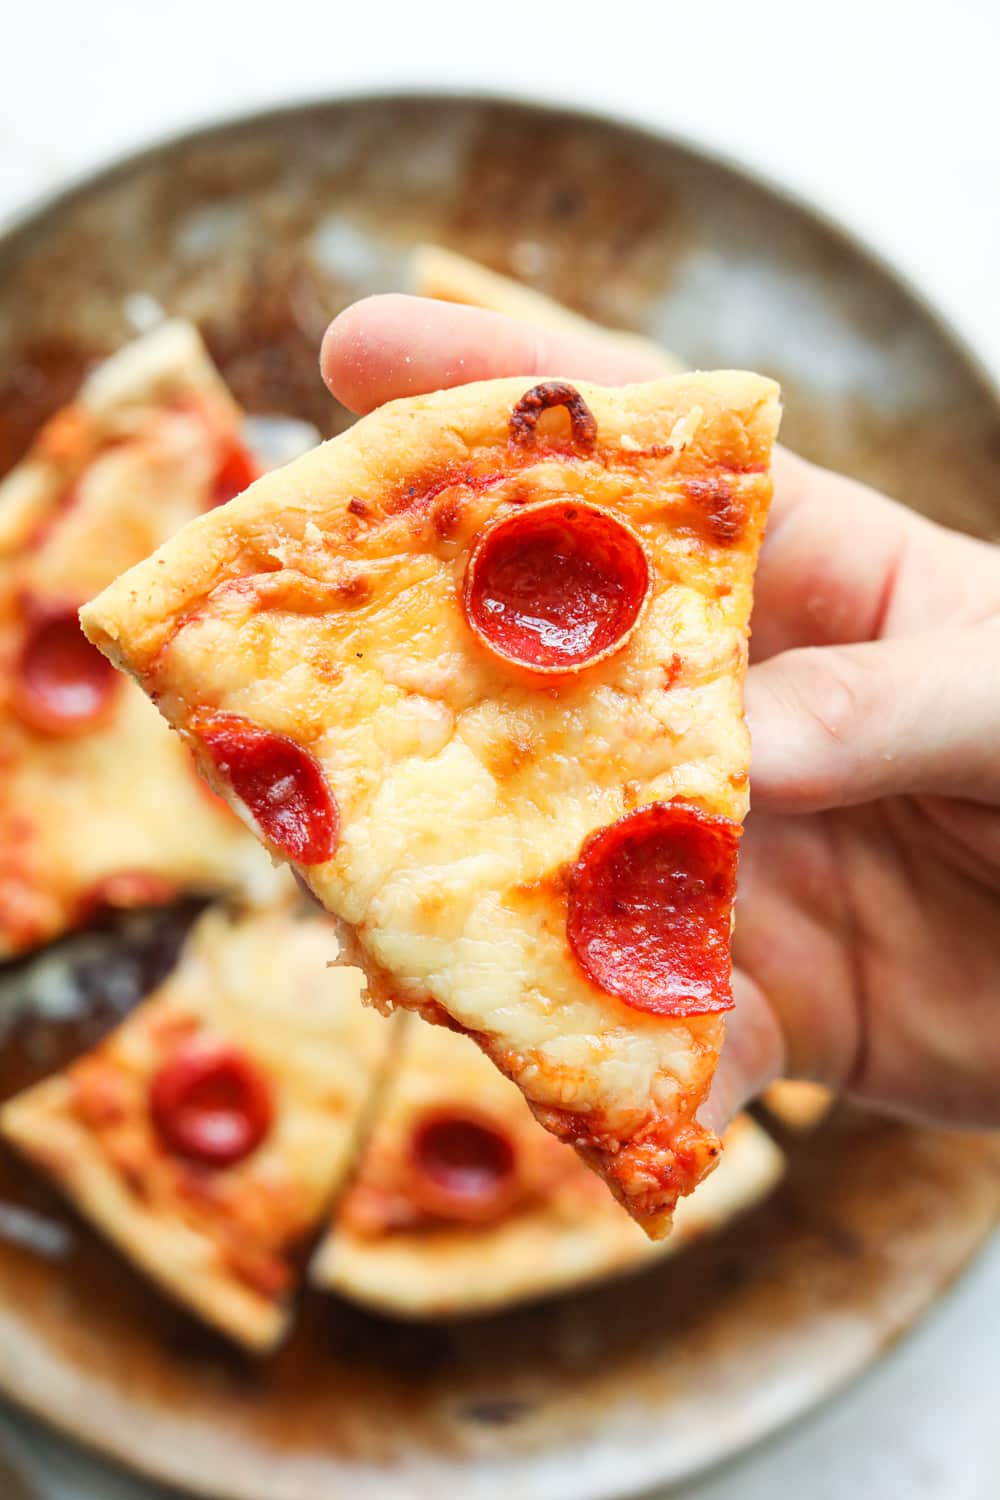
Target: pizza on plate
(475,668)
(99,805)
(207,1135)
(463,1204)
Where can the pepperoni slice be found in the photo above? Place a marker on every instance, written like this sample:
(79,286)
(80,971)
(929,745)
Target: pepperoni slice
(210,1103)
(555,587)
(237,470)
(62,684)
(463,1165)
(281,785)
(649,909)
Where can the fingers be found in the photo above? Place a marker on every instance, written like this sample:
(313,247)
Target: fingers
(841,563)
(391,346)
(753,1056)
(837,726)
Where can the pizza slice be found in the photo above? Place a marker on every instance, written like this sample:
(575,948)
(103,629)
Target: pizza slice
(207,1135)
(99,804)
(447,276)
(475,667)
(463,1204)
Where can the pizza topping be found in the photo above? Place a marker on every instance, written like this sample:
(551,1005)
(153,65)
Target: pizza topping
(463,1165)
(524,418)
(63,685)
(210,1103)
(281,784)
(649,909)
(555,587)
(237,470)
(720,510)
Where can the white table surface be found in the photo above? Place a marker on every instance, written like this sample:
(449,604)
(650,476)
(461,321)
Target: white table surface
(883,112)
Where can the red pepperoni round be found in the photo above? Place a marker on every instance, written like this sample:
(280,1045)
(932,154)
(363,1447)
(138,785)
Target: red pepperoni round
(210,1103)
(649,909)
(62,684)
(237,470)
(463,1165)
(280,784)
(555,587)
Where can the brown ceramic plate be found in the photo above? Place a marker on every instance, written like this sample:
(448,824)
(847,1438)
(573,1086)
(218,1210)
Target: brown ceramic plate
(260,231)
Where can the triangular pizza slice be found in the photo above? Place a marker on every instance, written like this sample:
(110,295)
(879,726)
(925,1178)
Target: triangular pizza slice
(99,805)
(475,667)
(463,1204)
(206,1136)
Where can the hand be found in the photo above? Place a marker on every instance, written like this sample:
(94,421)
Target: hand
(867,942)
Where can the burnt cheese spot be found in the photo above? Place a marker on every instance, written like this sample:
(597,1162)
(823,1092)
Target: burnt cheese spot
(721,511)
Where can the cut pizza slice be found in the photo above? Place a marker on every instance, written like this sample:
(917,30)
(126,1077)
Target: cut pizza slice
(99,804)
(475,667)
(463,1204)
(447,276)
(207,1135)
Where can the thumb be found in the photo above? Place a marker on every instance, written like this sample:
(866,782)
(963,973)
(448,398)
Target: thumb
(838,725)
(753,1055)
(390,346)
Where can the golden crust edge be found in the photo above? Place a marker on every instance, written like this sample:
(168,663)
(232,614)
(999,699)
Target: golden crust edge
(131,618)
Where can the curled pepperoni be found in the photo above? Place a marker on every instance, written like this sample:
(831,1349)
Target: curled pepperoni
(555,587)
(463,1165)
(524,418)
(281,785)
(62,684)
(649,909)
(210,1103)
(237,469)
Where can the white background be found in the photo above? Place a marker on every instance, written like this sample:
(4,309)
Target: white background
(883,112)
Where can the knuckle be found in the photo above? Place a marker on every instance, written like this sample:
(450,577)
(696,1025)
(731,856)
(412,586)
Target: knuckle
(836,693)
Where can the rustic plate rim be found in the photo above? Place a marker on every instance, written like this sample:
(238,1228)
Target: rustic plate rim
(30,218)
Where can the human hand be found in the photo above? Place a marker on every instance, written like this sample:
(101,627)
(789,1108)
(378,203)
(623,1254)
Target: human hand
(867,941)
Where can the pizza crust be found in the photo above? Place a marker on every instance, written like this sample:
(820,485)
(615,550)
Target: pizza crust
(464,795)
(222,1241)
